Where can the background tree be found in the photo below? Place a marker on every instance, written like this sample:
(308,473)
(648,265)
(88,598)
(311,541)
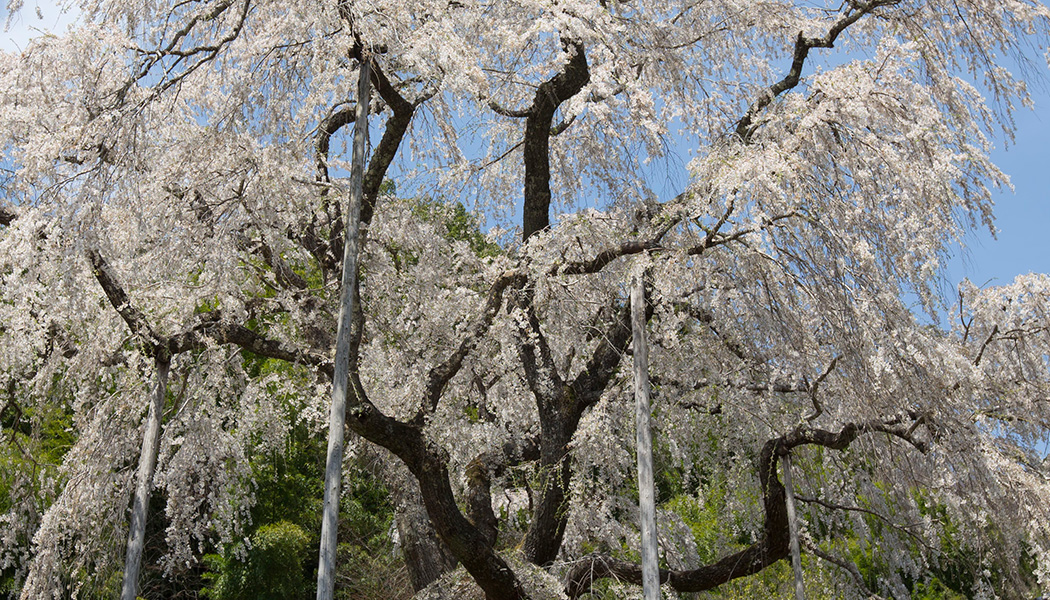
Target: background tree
(840,148)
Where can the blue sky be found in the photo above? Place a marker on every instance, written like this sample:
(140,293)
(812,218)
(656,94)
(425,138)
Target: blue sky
(1023,216)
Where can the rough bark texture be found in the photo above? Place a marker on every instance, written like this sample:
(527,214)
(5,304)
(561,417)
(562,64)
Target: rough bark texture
(561,405)
(549,96)
(426,556)
(467,542)
(429,466)
(480,473)
(479,497)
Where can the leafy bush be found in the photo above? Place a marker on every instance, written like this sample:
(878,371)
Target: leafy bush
(271,568)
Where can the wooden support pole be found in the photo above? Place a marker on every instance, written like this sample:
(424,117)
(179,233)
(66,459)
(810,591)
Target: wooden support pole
(341,377)
(646,491)
(144,483)
(796,557)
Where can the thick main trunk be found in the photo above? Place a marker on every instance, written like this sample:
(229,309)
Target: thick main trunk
(426,556)
(561,406)
(550,514)
(144,483)
(466,542)
(429,466)
(536,151)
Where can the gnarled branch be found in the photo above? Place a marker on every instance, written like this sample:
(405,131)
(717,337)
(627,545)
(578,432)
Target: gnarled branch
(747,125)
(441,374)
(773,544)
(549,96)
(136,321)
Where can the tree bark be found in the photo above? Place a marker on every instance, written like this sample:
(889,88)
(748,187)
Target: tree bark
(144,483)
(426,556)
(561,406)
(340,379)
(549,96)
(466,542)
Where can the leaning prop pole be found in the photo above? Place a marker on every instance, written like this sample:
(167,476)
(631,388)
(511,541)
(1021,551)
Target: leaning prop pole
(796,558)
(144,483)
(340,379)
(646,493)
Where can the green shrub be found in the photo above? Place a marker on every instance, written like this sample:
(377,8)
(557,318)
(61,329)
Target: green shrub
(271,569)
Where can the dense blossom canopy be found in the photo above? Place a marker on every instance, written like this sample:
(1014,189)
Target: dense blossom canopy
(788,175)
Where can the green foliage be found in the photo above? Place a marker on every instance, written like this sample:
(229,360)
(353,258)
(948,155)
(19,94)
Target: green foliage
(366,513)
(459,224)
(43,432)
(281,555)
(703,518)
(33,442)
(716,531)
(271,568)
(934,590)
(368,564)
(289,484)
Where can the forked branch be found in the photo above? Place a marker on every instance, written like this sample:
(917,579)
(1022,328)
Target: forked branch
(540,116)
(441,374)
(136,321)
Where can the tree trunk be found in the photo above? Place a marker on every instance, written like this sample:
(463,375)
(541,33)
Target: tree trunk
(340,379)
(646,492)
(144,483)
(426,556)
